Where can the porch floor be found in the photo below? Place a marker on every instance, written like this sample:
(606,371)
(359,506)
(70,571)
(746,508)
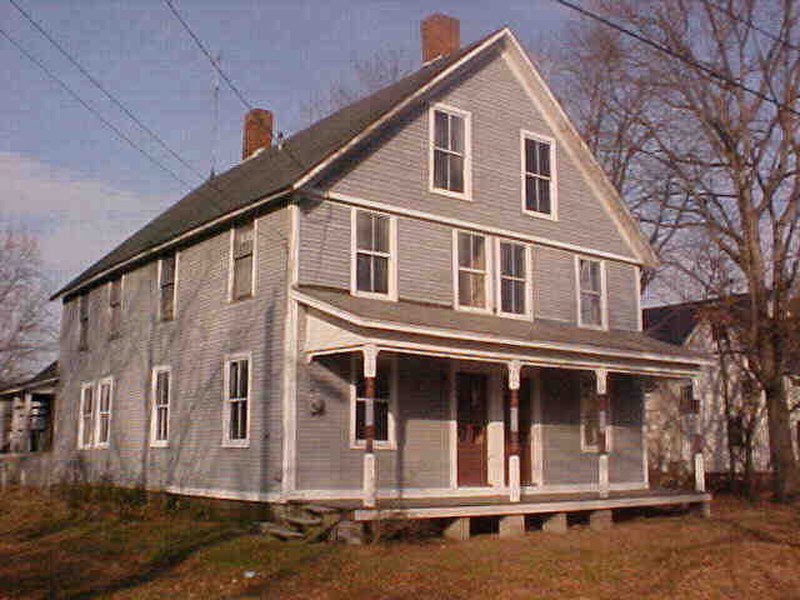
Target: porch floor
(479,506)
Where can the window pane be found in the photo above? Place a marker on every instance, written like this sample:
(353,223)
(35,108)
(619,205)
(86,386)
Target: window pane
(440,169)
(233,376)
(364,231)
(105,397)
(456,134)
(364,272)
(456,173)
(590,309)
(530,156)
(507,295)
(233,432)
(380,275)
(380,224)
(168,302)
(88,401)
(167,270)
(381,421)
(441,130)
(544,159)
(519,297)
(590,275)
(464,250)
(242,390)
(512,260)
(478,254)
(243,240)
(544,196)
(243,277)
(531,199)
(471,289)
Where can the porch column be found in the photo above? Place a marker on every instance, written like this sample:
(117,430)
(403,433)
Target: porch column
(513,405)
(601,380)
(370,468)
(697,439)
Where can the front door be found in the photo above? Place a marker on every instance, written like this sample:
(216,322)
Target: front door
(472,396)
(524,430)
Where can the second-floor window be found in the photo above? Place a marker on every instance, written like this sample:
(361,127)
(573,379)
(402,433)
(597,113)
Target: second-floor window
(513,275)
(590,292)
(243,248)
(538,176)
(237,401)
(115,306)
(372,253)
(472,277)
(166,288)
(83,318)
(450,139)
(159,431)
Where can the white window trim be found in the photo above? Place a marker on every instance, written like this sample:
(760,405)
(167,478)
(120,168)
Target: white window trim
(523,135)
(90,385)
(392,293)
(391,443)
(110,381)
(489,287)
(528,314)
(594,448)
(154,443)
(232,235)
(467,116)
(174,289)
(603,293)
(227,442)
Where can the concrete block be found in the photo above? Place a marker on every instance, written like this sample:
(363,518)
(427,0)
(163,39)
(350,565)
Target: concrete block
(600,520)
(512,526)
(555,523)
(458,530)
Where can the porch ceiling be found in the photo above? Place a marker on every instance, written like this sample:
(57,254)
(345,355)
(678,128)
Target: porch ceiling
(338,322)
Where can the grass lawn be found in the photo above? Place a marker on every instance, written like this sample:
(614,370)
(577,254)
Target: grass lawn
(53,548)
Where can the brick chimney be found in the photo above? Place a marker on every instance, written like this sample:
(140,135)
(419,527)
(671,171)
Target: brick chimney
(441,36)
(257,131)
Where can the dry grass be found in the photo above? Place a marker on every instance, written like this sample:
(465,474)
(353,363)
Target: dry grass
(48,548)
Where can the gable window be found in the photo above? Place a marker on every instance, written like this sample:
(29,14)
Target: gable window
(237,401)
(159,432)
(384,419)
(514,276)
(166,288)
(83,318)
(243,263)
(450,147)
(85,425)
(471,282)
(103,433)
(537,171)
(373,249)
(591,300)
(115,305)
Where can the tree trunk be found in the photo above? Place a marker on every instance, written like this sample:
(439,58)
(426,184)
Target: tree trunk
(786,478)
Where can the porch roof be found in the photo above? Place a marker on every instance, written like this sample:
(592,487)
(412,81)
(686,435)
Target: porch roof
(350,321)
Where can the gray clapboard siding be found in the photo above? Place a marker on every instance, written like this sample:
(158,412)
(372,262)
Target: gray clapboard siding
(194,345)
(425,264)
(325,244)
(554,285)
(622,291)
(396,172)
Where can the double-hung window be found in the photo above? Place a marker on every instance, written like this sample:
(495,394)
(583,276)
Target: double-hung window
(513,274)
(373,246)
(383,401)
(115,306)
(450,148)
(166,287)
(83,325)
(86,424)
(539,196)
(159,429)
(472,262)
(105,394)
(591,294)
(243,263)
(237,401)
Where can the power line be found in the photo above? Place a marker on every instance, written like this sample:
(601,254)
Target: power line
(749,22)
(100,86)
(91,109)
(647,41)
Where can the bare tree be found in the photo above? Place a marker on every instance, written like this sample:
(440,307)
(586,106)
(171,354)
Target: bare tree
(729,159)
(27,331)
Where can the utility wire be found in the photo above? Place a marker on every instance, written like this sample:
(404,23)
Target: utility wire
(668,51)
(100,87)
(91,109)
(749,22)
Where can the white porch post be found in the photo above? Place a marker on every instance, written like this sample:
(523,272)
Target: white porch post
(513,459)
(370,468)
(601,380)
(697,439)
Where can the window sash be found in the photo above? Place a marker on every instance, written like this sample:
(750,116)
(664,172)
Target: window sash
(167,288)
(162,406)
(373,252)
(104,414)
(538,176)
(243,252)
(591,292)
(472,270)
(238,399)
(449,151)
(513,278)
(87,417)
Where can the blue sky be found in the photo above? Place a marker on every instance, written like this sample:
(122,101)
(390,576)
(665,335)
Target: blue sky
(81,190)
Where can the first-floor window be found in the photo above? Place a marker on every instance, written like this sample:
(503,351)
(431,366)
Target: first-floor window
(590,294)
(472,270)
(382,404)
(104,412)
(513,278)
(85,435)
(161,397)
(237,399)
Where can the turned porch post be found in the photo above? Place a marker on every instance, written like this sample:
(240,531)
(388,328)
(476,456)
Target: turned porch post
(697,439)
(370,468)
(513,405)
(601,380)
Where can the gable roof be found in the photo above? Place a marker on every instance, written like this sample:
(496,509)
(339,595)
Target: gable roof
(674,323)
(275,171)
(47,375)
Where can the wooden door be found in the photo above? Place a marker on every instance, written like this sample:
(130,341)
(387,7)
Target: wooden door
(472,397)
(525,412)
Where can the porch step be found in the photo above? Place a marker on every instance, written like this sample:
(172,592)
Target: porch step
(303,522)
(280,532)
(319,510)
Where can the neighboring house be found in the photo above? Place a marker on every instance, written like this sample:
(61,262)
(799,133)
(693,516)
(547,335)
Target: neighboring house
(432,293)
(729,407)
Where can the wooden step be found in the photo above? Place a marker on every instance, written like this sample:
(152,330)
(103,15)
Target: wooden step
(279,532)
(319,510)
(303,521)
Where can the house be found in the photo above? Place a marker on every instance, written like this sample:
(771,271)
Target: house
(425,302)
(729,406)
